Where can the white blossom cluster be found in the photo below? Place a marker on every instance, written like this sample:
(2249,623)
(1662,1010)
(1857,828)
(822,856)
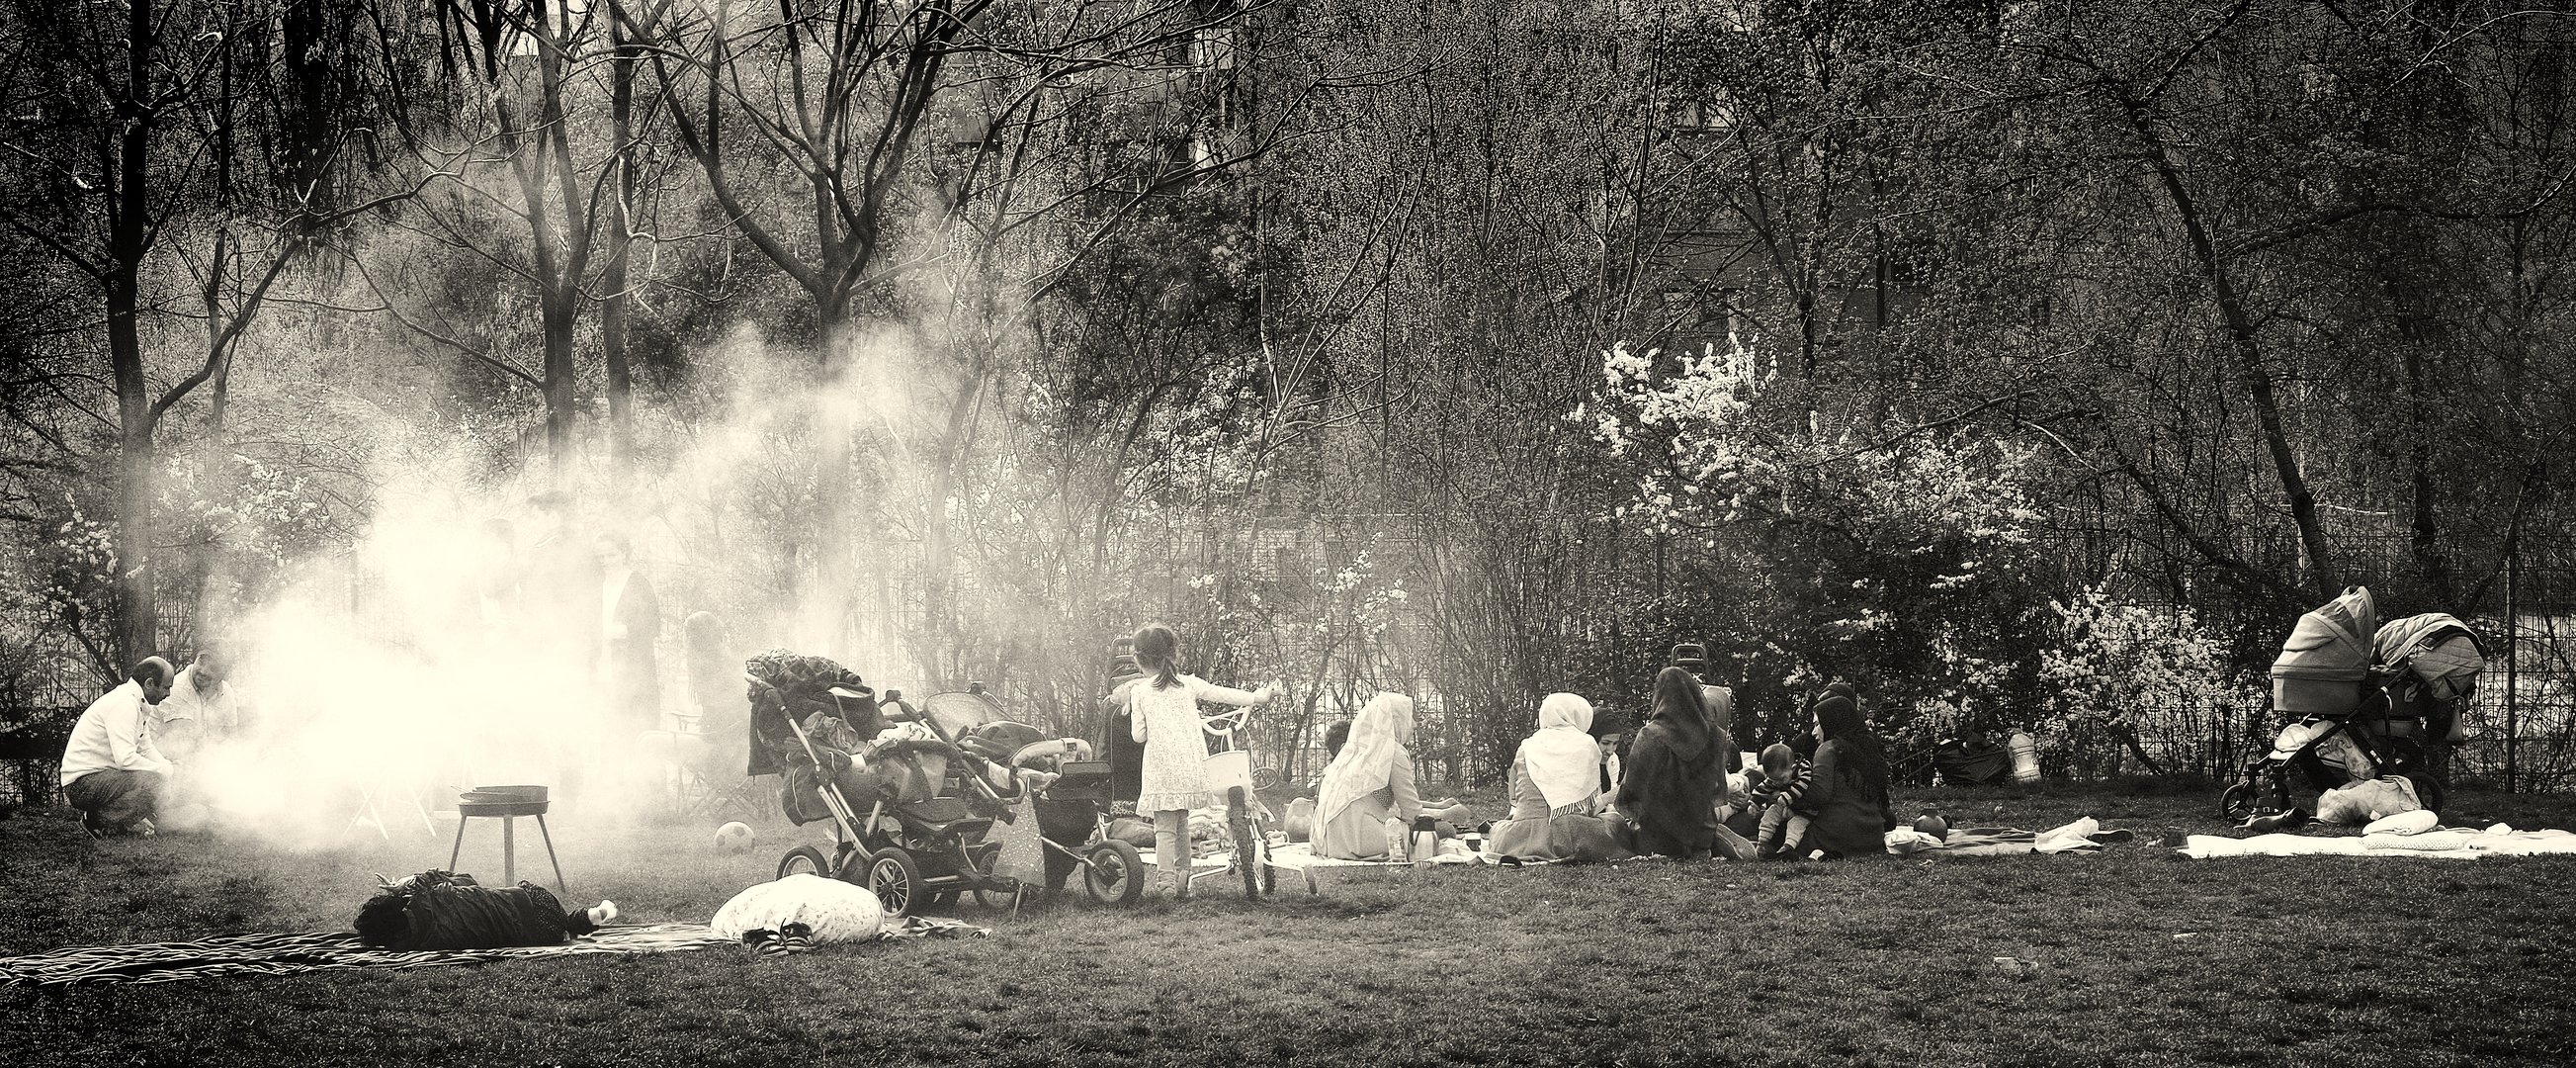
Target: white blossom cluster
(2152,670)
(1718,454)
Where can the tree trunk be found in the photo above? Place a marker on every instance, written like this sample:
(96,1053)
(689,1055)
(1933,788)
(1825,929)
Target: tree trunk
(829,609)
(559,316)
(129,240)
(558,245)
(613,317)
(2246,345)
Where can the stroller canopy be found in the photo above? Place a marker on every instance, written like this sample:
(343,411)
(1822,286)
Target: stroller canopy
(958,712)
(2438,650)
(2327,656)
(783,685)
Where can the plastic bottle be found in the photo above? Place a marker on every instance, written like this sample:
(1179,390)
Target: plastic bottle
(2025,758)
(1398,844)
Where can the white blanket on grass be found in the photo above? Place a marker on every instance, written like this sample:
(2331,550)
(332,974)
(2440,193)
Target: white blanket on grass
(1298,856)
(2455,843)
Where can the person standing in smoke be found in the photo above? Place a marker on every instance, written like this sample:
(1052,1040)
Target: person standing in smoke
(630,618)
(557,625)
(555,572)
(496,579)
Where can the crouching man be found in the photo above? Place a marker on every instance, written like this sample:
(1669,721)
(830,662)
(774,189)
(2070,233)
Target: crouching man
(111,770)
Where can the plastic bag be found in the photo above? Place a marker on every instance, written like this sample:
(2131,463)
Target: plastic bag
(2368,800)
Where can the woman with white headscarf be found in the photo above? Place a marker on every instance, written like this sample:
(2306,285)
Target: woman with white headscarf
(1556,790)
(1370,782)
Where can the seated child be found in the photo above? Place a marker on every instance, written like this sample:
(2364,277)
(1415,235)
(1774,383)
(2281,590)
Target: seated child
(1784,779)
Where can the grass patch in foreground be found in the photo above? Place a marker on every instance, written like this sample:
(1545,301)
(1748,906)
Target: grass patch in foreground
(2142,958)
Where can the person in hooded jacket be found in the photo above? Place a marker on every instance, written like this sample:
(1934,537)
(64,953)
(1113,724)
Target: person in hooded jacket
(1846,802)
(1674,775)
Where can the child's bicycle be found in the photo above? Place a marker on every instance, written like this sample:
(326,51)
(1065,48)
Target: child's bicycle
(1230,773)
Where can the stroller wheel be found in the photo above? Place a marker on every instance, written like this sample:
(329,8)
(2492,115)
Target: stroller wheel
(2429,790)
(1004,898)
(2237,803)
(805,859)
(1115,873)
(896,880)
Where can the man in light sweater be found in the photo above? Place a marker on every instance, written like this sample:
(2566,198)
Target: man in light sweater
(199,711)
(111,770)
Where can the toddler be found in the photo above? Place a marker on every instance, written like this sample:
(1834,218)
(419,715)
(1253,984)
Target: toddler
(1784,779)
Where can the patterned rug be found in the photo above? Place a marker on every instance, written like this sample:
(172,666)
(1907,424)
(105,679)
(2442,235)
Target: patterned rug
(288,954)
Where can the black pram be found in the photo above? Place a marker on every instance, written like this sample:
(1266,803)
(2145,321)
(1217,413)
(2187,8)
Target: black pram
(2371,701)
(913,827)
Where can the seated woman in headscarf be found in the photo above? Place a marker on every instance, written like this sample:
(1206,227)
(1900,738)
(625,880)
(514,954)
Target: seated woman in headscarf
(1370,782)
(1673,775)
(1556,791)
(1846,802)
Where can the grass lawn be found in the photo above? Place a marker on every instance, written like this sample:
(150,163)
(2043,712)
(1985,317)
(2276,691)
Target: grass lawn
(2289,961)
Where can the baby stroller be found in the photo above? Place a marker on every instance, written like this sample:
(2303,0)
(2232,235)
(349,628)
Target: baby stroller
(926,840)
(2368,707)
(1073,812)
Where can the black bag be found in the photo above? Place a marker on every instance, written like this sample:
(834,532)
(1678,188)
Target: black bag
(440,910)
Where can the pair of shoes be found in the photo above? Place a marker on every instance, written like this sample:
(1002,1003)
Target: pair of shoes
(788,938)
(765,942)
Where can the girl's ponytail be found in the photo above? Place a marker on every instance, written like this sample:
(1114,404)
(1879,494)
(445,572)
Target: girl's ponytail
(1159,650)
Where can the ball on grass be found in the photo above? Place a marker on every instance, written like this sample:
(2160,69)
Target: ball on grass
(1932,824)
(733,837)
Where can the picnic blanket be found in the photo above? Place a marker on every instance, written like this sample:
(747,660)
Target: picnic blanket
(2449,843)
(2081,836)
(288,954)
(1300,856)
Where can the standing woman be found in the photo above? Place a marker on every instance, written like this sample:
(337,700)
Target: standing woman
(1164,711)
(1368,783)
(1673,777)
(1846,804)
(630,619)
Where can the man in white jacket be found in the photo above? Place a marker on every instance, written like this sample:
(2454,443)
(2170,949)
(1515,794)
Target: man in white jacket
(111,770)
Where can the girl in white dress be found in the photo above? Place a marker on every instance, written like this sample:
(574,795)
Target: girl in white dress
(1164,708)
